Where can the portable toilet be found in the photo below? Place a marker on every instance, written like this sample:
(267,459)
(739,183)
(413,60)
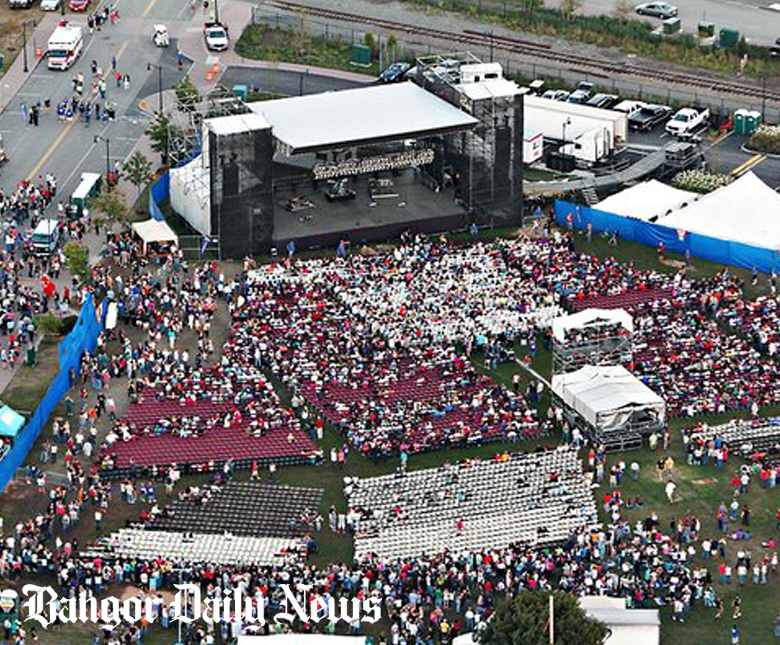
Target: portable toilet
(752,121)
(240,91)
(740,118)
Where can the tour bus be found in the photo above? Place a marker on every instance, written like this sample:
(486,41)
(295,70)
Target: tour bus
(64,47)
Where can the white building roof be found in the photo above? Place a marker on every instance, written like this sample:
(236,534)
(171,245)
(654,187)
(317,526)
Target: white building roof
(746,211)
(592,390)
(236,124)
(366,114)
(646,201)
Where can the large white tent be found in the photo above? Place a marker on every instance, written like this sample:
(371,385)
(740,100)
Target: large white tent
(746,211)
(606,397)
(590,318)
(646,201)
(153,230)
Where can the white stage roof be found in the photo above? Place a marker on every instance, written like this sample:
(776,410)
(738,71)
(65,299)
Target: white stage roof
(588,317)
(594,390)
(746,211)
(236,124)
(646,201)
(366,114)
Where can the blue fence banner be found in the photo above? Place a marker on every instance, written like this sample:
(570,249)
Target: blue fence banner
(651,234)
(159,193)
(82,338)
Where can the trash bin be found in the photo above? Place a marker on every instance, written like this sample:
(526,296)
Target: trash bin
(30,356)
(2,61)
(240,91)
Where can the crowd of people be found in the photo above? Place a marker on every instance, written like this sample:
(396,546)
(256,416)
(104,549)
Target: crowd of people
(382,346)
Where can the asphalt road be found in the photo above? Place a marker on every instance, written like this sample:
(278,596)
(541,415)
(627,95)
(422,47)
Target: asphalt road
(759,25)
(66,150)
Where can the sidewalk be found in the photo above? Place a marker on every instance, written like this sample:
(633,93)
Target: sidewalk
(14,77)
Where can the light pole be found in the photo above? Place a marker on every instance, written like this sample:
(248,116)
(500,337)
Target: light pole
(24,45)
(97,138)
(565,123)
(62,7)
(149,67)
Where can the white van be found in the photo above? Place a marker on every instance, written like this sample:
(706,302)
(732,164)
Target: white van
(64,46)
(46,237)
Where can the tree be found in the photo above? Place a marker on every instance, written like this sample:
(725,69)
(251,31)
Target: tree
(162,132)
(570,7)
(524,620)
(392,46)
(187,95)
(623,9)
(77,258)
(369,40)
(137,170)
(110,203)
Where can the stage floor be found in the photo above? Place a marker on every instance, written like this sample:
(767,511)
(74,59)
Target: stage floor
(364,219)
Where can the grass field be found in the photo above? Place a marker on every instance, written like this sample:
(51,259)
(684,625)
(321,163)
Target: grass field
(700,489)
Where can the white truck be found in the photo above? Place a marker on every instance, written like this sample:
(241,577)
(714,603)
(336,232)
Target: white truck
(65,45)
(687,120)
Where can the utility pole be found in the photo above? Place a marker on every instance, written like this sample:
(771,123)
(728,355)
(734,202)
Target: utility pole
(149,67)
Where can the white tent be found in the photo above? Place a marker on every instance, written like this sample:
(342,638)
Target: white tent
(746,211)
(590,318)
(646,201)
(606,396)
(626,626)
(154,231)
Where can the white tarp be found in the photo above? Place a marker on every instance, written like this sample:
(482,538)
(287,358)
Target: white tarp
(646,201)
(605,396)
(191,194)
(153,230)
(590,318)
(746,211)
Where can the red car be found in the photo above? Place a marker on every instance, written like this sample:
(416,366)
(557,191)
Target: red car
(78,5)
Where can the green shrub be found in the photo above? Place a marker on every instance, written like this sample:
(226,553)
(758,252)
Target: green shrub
(766,139)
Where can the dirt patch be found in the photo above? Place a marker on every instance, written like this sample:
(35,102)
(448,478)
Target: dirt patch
(11,30)
(709,481)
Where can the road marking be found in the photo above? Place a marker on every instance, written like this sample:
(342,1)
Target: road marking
(748,165)
(149,7)
(56,143)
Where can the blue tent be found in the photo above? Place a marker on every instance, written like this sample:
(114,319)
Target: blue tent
(11,422)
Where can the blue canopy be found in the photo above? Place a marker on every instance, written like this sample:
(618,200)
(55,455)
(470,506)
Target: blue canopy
(11,422)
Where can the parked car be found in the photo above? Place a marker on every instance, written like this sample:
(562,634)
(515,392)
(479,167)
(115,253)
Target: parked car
(687,120)
(556,95)
(78,5)
(648,117)
(603,101)
(50,5)
(216,35)
(20,4)
(394,73)
(657,10)
(629,107)
(582,93)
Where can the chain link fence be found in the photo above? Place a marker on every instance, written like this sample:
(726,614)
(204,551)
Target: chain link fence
(410,46)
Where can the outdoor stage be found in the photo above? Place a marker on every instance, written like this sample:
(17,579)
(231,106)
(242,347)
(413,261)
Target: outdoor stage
(364,219)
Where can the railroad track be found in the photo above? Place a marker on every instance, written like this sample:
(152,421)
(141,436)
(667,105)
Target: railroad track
(541,51)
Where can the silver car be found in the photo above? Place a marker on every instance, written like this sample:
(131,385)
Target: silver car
(50,5)
(657,10)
